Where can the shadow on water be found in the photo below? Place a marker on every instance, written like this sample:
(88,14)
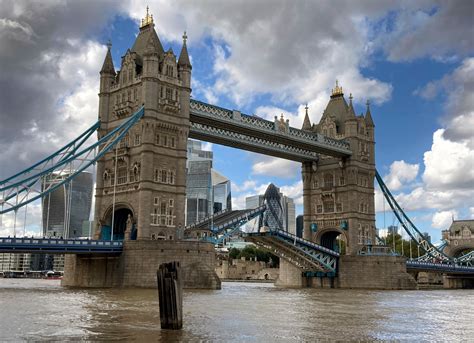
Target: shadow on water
(41,310)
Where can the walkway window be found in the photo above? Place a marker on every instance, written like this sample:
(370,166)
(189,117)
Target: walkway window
(137,139)
(171,177)
(121,174)
(173,143)
(164,176)
(328,181)
(328,206)
(157,139)
(163,213)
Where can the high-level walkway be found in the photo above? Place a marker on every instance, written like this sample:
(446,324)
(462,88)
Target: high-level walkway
(232,128)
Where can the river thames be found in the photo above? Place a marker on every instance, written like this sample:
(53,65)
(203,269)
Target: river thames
(42,310)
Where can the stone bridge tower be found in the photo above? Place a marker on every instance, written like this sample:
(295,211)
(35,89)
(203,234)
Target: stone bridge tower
(338,194)
(141,185)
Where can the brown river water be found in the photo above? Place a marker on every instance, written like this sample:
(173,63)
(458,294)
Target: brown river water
(42,310)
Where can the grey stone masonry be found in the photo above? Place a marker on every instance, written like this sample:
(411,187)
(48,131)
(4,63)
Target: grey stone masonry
(148,177)
(338,193)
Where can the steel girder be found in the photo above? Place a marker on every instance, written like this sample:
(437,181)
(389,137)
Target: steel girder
(318,257)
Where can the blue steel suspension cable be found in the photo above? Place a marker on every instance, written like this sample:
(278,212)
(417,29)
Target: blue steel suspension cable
(106,143)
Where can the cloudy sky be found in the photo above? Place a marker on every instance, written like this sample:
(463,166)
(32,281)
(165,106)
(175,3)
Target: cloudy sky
(414,60)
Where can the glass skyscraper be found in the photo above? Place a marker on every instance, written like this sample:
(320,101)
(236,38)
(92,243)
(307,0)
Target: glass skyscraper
(207,191)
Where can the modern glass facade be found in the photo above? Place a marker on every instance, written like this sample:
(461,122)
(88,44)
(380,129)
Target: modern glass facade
(77,196)
(288,215)
(207,191)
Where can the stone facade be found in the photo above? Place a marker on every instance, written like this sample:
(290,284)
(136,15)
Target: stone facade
(338,194)
(145,186)
(460,237)
(243,269)
(137,265)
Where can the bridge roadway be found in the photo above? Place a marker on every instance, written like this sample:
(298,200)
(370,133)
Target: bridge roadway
(232,128)
(59,246)
(225,220)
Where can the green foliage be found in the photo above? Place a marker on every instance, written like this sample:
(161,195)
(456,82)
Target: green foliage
(251,251)
(402,246)
(234,253)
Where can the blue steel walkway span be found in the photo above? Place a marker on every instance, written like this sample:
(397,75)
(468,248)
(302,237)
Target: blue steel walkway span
(310,257)
(276,138)
(59,246)
(439,267)
(220,226)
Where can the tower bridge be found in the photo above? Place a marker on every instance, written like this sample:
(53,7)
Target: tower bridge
(146,115)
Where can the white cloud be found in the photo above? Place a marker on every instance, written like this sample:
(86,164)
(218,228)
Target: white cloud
(254,53)
(442,220)
(441,30)
(448,176)
(294,191)
(448,165)
(277,167)
(400,174)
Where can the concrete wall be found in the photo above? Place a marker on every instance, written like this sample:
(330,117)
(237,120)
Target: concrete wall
(137,265)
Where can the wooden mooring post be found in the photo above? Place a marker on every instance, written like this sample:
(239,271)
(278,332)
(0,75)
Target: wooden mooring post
(170,295)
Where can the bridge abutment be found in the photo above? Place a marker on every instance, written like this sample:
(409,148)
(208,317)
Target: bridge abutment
(137,265)
(374,272)
(363,272)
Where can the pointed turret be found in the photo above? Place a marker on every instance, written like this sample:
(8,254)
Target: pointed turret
(183,60)
(147,38)
(306,122)
(351,108)
(368,117)
(108,66)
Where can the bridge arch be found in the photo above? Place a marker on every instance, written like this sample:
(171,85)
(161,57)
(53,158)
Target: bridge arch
(330,237)
(124,222)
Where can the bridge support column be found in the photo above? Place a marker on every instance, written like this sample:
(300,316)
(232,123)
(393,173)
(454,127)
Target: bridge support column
(290,276)
(374,272)
(137,265)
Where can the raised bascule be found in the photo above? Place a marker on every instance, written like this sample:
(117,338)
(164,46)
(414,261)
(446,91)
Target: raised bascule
(146,115)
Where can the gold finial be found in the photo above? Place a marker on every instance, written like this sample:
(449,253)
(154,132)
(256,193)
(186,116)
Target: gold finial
(185,37)
(368,103)
(337,90)
(148,19)
(306,108)
(109,44)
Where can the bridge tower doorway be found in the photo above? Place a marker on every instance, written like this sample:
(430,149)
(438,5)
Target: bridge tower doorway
(334,240)
(123,224)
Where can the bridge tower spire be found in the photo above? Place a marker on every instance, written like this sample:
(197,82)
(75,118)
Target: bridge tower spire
(142,181)
(338,194)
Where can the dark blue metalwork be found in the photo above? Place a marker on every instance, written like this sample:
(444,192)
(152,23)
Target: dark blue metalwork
(439,267)
(59,246)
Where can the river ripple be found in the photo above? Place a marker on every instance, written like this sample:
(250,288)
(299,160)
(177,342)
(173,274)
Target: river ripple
(41,310)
